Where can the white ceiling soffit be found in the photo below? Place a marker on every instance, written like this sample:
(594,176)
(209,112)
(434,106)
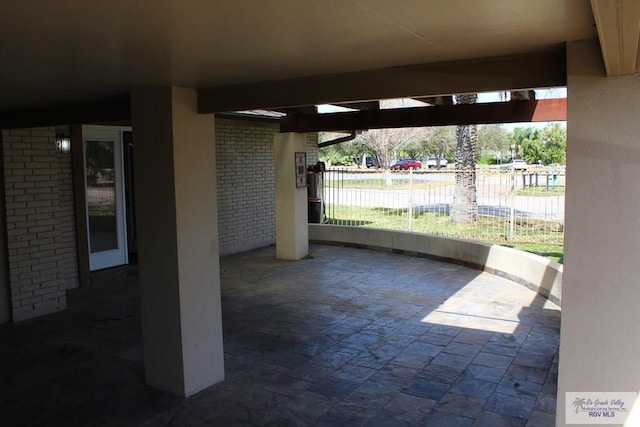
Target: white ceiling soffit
(71,51)
(618,24)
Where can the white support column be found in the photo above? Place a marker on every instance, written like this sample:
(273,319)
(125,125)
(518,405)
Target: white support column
(292,231)
(176,211)
(600,339)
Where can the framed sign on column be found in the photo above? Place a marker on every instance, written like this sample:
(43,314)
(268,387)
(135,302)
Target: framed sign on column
(301,169)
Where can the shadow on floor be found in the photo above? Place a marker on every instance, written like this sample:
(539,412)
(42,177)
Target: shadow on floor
(350,337)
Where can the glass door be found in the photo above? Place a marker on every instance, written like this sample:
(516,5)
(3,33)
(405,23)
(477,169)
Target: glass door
(104,197)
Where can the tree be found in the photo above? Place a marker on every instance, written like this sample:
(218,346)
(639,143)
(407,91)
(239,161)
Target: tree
(531,150)
(335,155)
(545,146)
(521,140)
(464,207)
(342,154)
(412,151)
(493,139)
(386,144)
(554,139)
(440,142)
(99,159)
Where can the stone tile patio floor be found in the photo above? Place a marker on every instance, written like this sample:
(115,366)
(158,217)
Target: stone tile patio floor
(350,337)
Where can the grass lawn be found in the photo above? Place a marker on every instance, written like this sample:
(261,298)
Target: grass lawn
(541,191)
(536,236)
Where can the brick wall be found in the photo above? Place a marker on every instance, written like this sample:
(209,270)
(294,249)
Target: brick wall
(312,148)
(246,185)
(245,178)
(40,224)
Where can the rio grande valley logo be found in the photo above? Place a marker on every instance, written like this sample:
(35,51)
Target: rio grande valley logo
(598,408)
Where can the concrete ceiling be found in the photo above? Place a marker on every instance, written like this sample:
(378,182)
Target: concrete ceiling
(70,51)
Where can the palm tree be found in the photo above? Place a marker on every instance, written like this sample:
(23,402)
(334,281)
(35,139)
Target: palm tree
(464,207)
(578,403)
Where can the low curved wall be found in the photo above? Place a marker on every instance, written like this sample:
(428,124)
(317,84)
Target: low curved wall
(533,271)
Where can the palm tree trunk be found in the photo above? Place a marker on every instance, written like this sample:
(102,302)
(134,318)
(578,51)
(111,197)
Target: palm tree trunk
(464,207)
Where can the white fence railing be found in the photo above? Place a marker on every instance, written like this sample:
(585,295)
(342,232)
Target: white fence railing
(512,206)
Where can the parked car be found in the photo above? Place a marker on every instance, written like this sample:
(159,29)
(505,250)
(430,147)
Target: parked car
(515,164)
(432,162)
(406,165)
(371,162)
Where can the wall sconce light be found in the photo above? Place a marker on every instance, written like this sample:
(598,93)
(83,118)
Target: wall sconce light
(63,144)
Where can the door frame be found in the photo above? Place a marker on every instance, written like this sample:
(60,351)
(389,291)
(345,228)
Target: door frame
(120,255)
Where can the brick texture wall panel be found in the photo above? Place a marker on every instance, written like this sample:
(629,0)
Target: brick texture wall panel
(246,183)
(40,222)
(312,148)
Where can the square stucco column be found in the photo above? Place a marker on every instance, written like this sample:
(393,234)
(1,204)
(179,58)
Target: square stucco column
(175,183)
(600,338)
(292,230)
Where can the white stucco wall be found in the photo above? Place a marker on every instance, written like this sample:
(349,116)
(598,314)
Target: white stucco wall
(292,236)
(600,339)
(533,271)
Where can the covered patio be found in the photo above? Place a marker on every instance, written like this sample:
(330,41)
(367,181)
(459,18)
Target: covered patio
(346,337)
(172,74)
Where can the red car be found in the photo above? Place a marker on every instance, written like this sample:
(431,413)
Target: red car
(406,165)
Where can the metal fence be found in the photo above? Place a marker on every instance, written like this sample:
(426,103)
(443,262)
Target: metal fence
(512,206)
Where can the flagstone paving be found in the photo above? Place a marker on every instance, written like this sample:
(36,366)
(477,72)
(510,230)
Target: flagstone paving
(350,337)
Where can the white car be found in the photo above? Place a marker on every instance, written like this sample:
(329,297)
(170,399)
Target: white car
(516,165)
(432,162)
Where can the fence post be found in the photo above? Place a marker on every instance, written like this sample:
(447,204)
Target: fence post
(547,181)
(512,213)
(410,208)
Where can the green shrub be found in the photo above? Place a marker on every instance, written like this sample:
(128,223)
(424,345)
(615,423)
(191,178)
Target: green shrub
(487,161)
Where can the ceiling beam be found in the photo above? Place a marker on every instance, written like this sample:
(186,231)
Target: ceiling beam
(367,105)
(308,109)
(440,115)
(109,110)
(618,24)
(534,70)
